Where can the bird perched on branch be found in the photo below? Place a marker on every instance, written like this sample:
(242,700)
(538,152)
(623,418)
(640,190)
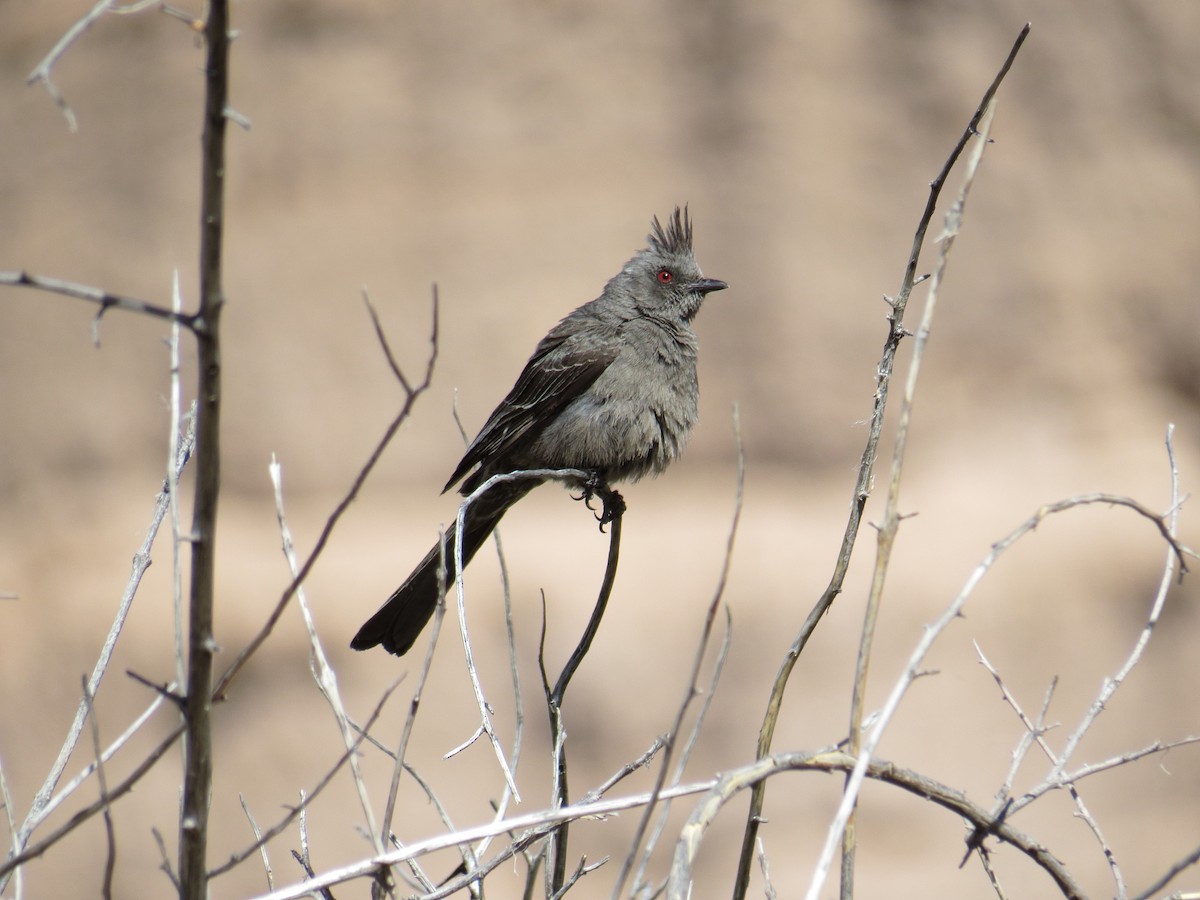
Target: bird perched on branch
(611,390)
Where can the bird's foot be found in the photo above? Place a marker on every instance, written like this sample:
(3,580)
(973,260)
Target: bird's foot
(612,504)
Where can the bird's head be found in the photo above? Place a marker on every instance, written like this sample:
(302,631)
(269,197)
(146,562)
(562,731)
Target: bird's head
(664,278)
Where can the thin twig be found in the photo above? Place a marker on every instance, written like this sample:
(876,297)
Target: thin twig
(701,648)
(399,765)
(1186,863)
(768,888)
(262,846)
(322,672)
(890,526)
(7,802)
(640,886)
(556,849)
(1167,525)
(501,808)
(110,859)
(863,480)
(42,72)
(842,829)
(165,859)
(1037,735)
(106,300)
(279,827)
(679,885)
(932,632)
(520,843)
(219,693)
(537,823)
(1033,730)
(33,851)
(42,804)
(569,476)
(172,484)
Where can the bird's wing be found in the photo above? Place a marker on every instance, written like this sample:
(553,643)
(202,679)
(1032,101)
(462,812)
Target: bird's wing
(555,375)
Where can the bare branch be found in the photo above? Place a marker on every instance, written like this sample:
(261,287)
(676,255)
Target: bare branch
(556,849)
(1186,863)
(702,646)
(538,824)
(840,830)
(239,857)
(863,481)
(198,738)
(35,850)
(730,783)
(521,843)
(322,672)
(110,859)
(104,299)
(42,804)
(219,693)
(262,848)
(1081,808)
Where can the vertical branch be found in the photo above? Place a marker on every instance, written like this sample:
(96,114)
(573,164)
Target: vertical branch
(197,785)
(863,483)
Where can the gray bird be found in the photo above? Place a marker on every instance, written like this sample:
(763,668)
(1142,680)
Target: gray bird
(611,390)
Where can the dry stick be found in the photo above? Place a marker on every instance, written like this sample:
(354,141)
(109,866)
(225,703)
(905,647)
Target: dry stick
(262,850)
(639,880)
(931,633)
(701,647)
(862,486)
(439,807)
(842,828)
(412,392)
(679,885)
(165,864)
(198,739)
(42,804)
(1111,685)
(173,477)
(278,828)
(303,856)
(73,785)
(890,527)
(42,72)
(556,847)
(322,672)
(410,719)
(582,869)
(110,860)
(104,299)
(1187,862)
(768,888)
(7,802)
(1034,732)
(570,476)
(518,844)
(506,797)
(1114,762)
(83,815)
(537,823)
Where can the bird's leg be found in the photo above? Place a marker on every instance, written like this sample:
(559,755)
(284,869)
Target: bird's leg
(612,504)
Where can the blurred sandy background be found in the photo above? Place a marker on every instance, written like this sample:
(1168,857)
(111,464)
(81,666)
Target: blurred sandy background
(513,153)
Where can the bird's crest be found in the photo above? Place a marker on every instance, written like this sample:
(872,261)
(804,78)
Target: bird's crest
(677,237)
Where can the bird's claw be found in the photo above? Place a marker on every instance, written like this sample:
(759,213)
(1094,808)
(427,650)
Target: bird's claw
(612,504)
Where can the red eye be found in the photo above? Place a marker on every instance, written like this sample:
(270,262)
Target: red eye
(665,276)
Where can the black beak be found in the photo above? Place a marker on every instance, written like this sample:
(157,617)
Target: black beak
(708,285)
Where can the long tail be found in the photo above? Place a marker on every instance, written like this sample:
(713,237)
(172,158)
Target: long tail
(406,613)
